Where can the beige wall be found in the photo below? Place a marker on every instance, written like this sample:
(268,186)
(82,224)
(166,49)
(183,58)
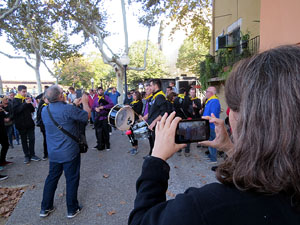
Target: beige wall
(227,12)
(280,23)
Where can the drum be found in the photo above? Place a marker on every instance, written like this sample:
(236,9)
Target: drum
(140,130)
(121,117)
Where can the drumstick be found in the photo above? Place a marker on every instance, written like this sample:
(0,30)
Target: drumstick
(142,118)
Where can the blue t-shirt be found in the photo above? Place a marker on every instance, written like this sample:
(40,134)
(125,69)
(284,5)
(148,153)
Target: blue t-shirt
(113,96)
(212,106)
(62,148)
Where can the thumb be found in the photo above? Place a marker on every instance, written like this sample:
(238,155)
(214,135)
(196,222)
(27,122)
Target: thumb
(179,146)
(205,143)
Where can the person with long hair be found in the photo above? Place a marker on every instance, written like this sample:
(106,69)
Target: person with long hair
(260,178)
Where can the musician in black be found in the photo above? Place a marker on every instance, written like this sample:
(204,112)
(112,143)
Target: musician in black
(181,105)
(102,105)
(137,106)
(170,102)
(194,104)
(158,107)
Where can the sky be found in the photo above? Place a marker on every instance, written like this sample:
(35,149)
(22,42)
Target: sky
(16,69)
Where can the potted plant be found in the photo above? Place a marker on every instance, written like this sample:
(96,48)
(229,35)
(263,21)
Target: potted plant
(245,39)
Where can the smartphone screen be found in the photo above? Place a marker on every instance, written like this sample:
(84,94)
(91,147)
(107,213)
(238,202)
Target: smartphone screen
(189,131)
(78,94)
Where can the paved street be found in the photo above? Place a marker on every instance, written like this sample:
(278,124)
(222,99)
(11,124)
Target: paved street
(107,183)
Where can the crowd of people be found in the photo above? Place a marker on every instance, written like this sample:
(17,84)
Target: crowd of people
(259,178)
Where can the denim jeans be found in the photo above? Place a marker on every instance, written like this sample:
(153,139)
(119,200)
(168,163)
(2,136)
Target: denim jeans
(212,151)
(16,134)
(93,114)
(28,140)
(72,174)
(9,131)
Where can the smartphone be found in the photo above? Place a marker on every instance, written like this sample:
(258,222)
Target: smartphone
(189,131)
(78,93)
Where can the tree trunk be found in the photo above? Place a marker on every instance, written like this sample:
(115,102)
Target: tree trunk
(1,86)
(37,73)
(120,84)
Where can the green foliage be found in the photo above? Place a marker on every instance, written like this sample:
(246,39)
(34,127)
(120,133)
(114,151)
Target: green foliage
(80,70)
(156,67)
(194,17)
(31,29)
(190,53)
(103,73)
(81,16)
(75,71)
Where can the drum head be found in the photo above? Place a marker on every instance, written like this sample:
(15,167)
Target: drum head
(124,118)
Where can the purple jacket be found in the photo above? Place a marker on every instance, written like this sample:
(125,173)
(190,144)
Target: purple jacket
(106,103)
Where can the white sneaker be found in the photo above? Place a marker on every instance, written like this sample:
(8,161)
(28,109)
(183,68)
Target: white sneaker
(110,133)
(108,149)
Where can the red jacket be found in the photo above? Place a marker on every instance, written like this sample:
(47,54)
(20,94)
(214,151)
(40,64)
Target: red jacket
(91,100)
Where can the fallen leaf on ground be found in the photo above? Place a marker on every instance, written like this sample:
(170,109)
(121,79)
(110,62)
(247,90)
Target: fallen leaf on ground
(9,197)
(32,187)
(60,195)
(122,202)
(110,213)
(170,194)
(99,214)
(105,175)
(175,167)
(99,205)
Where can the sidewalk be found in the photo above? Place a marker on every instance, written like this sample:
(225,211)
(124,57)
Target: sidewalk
(107,182)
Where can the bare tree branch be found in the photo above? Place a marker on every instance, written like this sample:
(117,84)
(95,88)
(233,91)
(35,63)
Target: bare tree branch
(145,55)
(18,57)
(11,10)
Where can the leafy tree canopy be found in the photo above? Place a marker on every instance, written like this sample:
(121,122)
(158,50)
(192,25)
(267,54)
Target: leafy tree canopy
(78,71)
(194,17)
(156,67)
(190,54)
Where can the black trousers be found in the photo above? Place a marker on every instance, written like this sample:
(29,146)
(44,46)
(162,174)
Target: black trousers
(28,140)
(5,145)
(102,134)
(44,143)
(151,140)
(132,140)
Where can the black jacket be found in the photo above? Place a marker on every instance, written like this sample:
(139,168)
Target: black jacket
(157,107)
(181,106)
(39,120)
(22,114)
(213,204)
(137,108)
(194,111)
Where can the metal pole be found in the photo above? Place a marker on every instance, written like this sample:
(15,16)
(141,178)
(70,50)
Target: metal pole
(125,67)
(93,85)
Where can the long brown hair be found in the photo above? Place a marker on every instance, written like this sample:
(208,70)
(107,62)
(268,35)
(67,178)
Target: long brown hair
(265,91)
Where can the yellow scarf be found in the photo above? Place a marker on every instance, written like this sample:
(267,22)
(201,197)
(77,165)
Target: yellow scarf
(45,104)
(20,97)
(134,102)
(158,93)
(212,97)
(181,96)
(194,98)
(100,97)
(146,98)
